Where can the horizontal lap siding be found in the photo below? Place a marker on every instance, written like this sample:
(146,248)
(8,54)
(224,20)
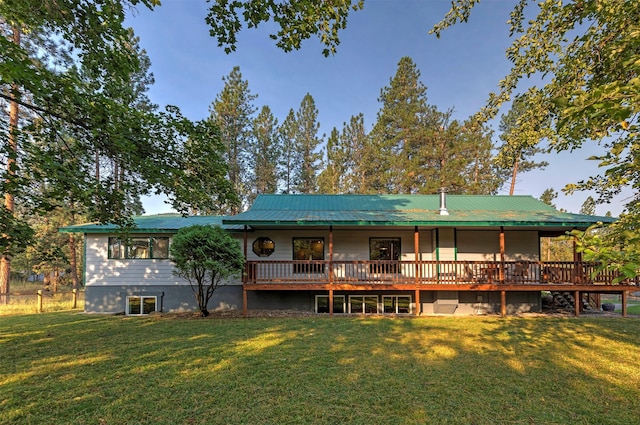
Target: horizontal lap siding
(484,245)
(100,270)
(347,244)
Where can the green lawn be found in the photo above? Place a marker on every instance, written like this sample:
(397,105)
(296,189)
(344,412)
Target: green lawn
(71,368)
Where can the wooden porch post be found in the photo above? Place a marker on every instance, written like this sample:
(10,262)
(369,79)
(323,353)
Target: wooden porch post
(245,275)
(503,303)
(416,250)
(244,302)
(624,303)
(501,270)
(577,301)
(331,270)
(577,268)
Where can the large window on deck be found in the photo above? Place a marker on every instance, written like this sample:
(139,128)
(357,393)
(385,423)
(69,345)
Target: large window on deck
(387,250)
(308,249)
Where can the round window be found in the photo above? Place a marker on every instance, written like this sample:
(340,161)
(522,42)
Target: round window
(263,247)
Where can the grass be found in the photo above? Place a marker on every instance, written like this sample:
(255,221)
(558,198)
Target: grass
(24,299)
(633,302)
(70,368)
(27,304)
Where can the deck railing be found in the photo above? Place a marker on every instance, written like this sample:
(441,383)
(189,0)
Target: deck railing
(427,272)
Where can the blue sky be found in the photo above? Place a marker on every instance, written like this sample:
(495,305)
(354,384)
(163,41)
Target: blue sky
(460,70)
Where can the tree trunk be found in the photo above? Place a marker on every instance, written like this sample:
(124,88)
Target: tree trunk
(73,249)
(5,259)
(513,176)
(74,261)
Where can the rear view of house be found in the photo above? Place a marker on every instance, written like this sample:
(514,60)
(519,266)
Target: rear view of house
(356,254)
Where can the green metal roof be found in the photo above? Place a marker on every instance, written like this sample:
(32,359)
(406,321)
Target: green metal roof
(407,210)
(369,210)
(162,223)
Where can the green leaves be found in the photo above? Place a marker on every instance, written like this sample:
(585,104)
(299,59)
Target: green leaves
(588,53)
(297,20)
(205,256)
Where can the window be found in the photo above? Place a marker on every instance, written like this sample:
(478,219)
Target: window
(396,304)
(310,249)
(322,304)
(160,247)
(138,248)
(363,304)
(263,247)
(139,305)
(387,251)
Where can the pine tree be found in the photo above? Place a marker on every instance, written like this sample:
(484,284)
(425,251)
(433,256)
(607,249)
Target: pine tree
(358,156)
(232,112)
(265,151)
(331,177)
(548,196)
(307,144)
(290,160)
(421,149)
(399,133)
(520,139)
(480,173)
(589,206)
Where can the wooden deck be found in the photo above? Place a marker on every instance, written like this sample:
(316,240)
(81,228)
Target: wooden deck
(576,277)
(469,274)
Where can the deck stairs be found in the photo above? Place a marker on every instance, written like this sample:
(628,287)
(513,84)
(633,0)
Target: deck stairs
(566,300)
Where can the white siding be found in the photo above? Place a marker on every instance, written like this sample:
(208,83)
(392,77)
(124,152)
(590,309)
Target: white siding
(347,244)
(484,245)
(102,271)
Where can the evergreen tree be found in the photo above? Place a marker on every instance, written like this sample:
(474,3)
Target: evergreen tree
(232,112)
(291,159)
(264,154)
(476,146)
(548,196)
(331,177)
(421,149)
(307,144)
(399,133)
(588,207)
(358,156)
(520,143)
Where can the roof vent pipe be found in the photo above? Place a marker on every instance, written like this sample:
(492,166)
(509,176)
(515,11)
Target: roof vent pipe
(443,201)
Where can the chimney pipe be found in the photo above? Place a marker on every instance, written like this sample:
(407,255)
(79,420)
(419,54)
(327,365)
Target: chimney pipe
(443,201)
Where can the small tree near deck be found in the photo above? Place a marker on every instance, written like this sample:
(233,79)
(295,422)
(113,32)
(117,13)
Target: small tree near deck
(205,256)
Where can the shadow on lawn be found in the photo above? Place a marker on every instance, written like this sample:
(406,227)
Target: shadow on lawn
(87,369)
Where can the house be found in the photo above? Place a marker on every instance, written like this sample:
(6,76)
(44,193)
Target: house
(379,254)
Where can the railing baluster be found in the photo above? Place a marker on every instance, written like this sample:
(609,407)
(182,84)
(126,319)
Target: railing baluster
(429,271)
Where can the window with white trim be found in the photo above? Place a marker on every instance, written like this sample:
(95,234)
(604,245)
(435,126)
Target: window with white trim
(322,304)
(396,304)
(138,305)
(363,304)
